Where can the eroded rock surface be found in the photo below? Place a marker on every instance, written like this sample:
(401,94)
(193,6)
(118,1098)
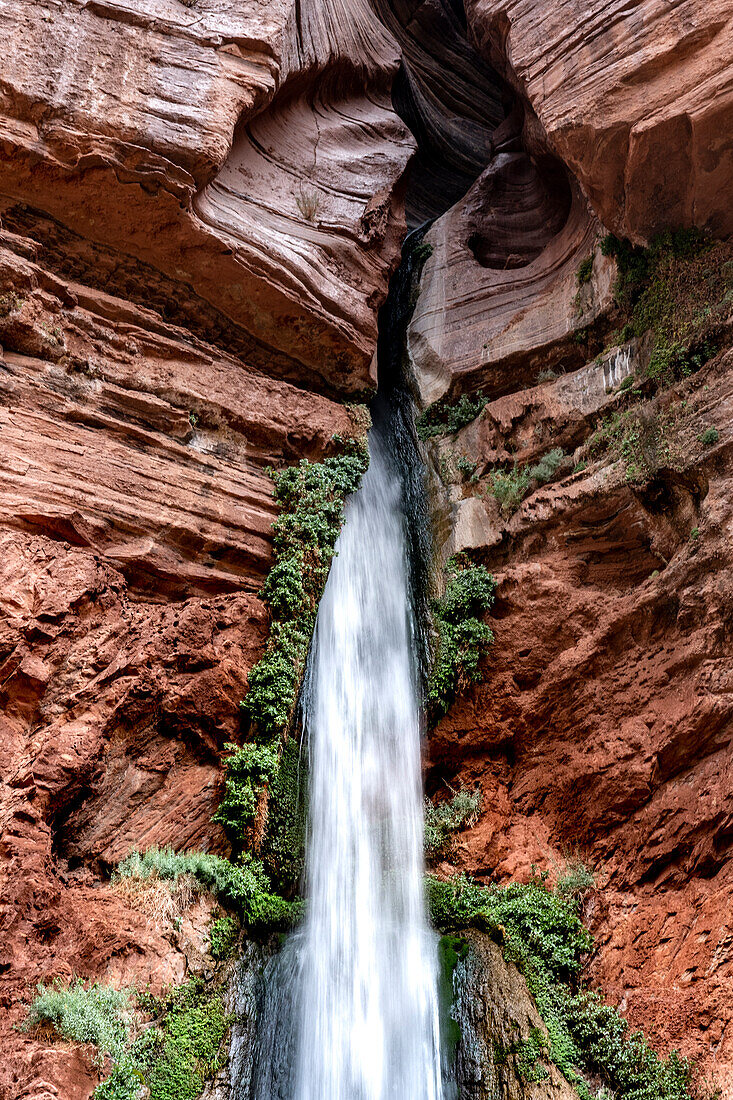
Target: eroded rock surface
(636,99)
(604,725)
(249,153)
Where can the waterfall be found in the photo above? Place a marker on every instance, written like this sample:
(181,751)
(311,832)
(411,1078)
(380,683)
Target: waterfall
(354,992)
(369,1029)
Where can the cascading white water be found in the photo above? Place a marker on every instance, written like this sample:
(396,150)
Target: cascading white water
(367,1002)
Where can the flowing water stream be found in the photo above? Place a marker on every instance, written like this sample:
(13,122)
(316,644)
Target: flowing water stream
(369,1013)
(351,1006)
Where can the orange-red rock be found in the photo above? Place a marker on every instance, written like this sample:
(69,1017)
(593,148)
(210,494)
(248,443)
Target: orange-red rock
(604,726)
(636,99)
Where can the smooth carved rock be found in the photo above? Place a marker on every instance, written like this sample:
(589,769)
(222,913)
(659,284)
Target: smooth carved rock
(492,312)
(636,99)
(184,137)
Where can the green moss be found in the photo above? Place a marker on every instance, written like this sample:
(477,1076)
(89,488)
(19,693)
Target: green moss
(542,933)
(175,1057)
(311,497)
(451,949)
(444,418)
(190,1045)
(283,851)
(461,637)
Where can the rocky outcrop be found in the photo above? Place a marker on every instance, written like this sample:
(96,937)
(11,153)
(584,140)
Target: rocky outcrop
(496,1017)
(499,298)
(636,99)
(135,516)
(250,155)
(604,726)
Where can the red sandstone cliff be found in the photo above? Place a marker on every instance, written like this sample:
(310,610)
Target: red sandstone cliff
(200,209)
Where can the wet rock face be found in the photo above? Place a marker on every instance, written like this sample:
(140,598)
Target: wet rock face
(604,725)
(495,1015)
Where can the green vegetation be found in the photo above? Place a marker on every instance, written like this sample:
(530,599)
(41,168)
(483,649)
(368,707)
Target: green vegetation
(510,487)
(446,817)
(530,1054)
(461,637)
(311,496)
(709,436)
(585,271)
(547,375)
(422,252)
(451,949)
(174,1057)
(679,291)
(223,936)
(541,931)
(443,418)
(283,850)
(99,1015)
(244,886)
(247,768)
(644,439)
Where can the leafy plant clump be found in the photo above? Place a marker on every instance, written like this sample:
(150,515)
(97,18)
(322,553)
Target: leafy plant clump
(585,271)
(542,933)
(223,936)
(646,441)
(96,1014)
(461,637)
(244,886)
(283,849)
(444,818)
(247,770)
(509,487)
(709,437)
(678,291)
(446,419)
(175,1057)
(311,497)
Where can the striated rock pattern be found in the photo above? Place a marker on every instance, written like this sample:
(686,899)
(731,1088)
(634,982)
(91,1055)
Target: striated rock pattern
(212,144)
(604,726)
(635,98)
(495,1014)
(135,516)
(499,298)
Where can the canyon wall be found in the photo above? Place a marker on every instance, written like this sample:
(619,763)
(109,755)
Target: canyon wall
(201,205)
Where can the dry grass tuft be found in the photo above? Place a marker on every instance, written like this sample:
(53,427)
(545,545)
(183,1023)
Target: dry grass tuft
(165,900)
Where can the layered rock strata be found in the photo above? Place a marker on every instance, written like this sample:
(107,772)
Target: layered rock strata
(636,99)
(603,728)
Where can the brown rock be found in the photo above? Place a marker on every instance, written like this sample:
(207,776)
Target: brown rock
(636,99)
(604,725)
